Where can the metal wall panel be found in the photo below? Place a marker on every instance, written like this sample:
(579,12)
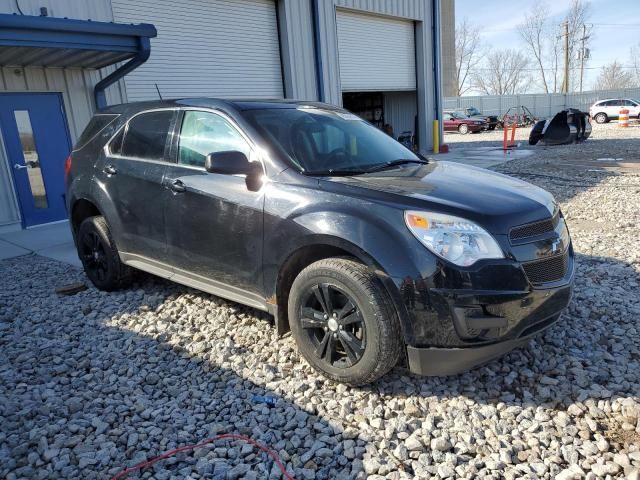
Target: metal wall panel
(297,49)
(400,110)
(375,53)
(220,48)
(98,10)
(413,9)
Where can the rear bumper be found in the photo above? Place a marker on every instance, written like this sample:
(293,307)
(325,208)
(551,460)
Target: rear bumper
(434,361)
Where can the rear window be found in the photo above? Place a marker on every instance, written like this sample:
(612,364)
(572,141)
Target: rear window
(147,135)
(95,126)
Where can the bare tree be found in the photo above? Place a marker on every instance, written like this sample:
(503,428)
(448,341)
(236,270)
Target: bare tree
(614,76)
(534,31)
(634,59)
(504,72)
(467,54)
(542,38)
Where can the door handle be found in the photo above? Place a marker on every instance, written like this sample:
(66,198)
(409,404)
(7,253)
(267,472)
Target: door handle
(177,186)
(110,170)
(20,167)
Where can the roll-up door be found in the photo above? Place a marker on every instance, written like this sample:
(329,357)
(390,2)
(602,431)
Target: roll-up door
(376,53)
(218,48)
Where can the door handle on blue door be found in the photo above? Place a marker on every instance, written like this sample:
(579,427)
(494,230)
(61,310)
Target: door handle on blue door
(110,170)
(177,186)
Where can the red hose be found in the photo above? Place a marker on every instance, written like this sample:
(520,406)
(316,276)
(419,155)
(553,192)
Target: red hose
(225,436)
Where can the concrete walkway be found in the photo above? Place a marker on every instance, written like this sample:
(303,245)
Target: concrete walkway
(52,241)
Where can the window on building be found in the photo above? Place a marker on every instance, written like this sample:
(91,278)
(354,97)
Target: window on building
(203,133)
(147,135)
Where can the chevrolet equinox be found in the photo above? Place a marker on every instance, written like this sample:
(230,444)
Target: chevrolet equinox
(370,254)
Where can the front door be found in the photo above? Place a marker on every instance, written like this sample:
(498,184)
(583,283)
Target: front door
(36,139)
(214,223)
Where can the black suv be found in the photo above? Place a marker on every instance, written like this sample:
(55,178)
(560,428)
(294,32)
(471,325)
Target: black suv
(370,254)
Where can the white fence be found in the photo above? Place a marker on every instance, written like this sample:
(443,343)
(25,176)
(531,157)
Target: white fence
(541,105)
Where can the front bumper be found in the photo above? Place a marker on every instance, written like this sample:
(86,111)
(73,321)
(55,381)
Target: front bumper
(539,310)
(434,361)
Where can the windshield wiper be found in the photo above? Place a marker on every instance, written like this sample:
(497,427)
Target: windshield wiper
(395,163)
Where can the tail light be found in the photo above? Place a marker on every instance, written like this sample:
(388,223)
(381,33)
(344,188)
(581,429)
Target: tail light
(67,167)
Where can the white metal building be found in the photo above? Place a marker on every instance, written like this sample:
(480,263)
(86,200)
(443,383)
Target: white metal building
(374,56)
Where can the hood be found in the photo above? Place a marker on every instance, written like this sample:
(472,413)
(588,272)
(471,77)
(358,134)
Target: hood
(495,201)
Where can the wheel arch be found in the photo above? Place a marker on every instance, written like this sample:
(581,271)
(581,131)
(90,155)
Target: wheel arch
(81,209)
(319,247)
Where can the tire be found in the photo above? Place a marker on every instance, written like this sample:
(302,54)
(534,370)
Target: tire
(601,118)
(492,127)
(352,343)
(99,255)
(463,129)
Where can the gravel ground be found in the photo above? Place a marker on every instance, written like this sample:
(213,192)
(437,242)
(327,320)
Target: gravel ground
(94,382)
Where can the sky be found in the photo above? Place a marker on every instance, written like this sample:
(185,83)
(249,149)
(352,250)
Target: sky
(616,26)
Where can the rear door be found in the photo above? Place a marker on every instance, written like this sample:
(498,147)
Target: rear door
(214,223)
(132,175)
(613,108)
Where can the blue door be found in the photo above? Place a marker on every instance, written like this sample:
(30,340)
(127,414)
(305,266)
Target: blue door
(36,140)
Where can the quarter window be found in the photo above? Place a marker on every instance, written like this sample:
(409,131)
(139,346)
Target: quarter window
(147,135)
(203,133)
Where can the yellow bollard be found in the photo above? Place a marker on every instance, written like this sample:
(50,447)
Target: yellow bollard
(436,136)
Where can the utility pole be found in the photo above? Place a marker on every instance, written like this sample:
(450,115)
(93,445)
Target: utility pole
(565,84)
(583,52)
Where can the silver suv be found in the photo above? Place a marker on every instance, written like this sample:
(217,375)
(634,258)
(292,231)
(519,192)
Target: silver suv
(604,110)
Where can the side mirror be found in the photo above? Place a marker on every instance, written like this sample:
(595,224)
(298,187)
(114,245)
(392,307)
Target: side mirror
(236,163)
(230,162)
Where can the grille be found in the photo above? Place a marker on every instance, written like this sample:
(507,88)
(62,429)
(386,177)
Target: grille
(534,229)
(547,270)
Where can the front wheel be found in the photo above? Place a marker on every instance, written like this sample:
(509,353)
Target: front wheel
(344,322)
(463,129)
(99,255)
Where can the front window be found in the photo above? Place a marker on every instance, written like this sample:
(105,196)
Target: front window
(203,133)
(327,141)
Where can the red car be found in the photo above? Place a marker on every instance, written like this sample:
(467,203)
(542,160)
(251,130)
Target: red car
(457,121)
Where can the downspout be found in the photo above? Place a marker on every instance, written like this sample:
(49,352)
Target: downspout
(144,51)
(317,50)
(437,70)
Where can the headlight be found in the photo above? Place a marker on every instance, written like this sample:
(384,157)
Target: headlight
(455,239)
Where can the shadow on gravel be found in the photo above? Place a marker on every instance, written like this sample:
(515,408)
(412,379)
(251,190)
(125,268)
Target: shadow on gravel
(82,394)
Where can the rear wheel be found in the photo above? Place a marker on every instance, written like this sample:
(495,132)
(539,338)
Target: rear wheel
(344,322)
(463,129)
(99,255)
(601,118)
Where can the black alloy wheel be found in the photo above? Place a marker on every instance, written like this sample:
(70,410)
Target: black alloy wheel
(94,257)
(99,255)
(344,322)
(334,325)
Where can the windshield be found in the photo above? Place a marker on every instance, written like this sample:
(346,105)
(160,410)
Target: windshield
(324,141)
(458,115)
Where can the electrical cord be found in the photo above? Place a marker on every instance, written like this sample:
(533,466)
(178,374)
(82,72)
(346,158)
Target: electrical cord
(225,436)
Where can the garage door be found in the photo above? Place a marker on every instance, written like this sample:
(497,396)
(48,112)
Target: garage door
(376,53)
(221,48)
